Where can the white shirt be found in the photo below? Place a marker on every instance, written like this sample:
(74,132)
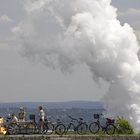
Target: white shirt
(15,119)
(42,114)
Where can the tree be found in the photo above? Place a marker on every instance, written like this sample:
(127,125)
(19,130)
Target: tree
(123,126)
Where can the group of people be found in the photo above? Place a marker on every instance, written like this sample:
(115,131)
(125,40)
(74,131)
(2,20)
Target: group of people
(21,116)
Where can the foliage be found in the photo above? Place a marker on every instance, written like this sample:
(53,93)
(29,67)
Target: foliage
(123,126)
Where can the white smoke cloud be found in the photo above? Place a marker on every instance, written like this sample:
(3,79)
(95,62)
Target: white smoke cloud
(63,33)
(5,18)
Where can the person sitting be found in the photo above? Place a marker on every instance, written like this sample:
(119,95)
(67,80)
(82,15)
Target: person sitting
(2,126)
(21,114)
(14,119)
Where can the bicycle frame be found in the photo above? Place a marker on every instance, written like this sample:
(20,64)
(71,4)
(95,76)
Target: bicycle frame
(70,126)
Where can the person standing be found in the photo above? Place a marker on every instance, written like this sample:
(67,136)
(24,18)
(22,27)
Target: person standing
(21,114)
(41,117)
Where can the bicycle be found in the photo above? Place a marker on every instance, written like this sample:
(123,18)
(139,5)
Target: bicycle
(108,126)
(48,127)
(80,128)
(28,127)
(25,127)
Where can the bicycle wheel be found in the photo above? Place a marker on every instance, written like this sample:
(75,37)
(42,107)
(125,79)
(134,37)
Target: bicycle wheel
(11,131)
(60,129)
(82,128)
(94,127)
(50,128)
(110,129)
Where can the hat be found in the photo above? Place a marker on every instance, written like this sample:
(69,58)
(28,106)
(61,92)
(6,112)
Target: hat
(21,108)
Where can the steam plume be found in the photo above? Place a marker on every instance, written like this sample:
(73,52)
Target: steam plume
(63,33)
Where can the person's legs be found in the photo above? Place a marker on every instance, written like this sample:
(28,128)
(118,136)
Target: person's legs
(41,125)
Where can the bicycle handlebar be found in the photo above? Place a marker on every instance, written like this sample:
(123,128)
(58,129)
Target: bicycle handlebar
(72,118)
(80,119)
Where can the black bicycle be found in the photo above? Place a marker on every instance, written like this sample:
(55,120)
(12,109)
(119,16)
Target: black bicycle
(29,127)
(108,126)
(79,128)
(12,128)
(48,126)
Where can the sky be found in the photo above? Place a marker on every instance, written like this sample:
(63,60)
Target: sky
(22,79)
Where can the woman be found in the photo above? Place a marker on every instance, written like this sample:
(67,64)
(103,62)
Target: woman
(41,117)
(21,114)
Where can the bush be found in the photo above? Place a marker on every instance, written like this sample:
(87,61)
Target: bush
(123,126)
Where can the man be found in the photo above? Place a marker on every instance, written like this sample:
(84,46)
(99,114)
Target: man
(41,117)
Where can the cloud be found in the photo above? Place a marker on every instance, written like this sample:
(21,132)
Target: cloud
(5,18)
(130,12)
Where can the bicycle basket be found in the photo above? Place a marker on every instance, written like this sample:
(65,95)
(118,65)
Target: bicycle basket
(110,121)
(32,117)
(96,116)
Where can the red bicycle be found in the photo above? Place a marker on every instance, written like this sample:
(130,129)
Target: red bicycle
(108,125)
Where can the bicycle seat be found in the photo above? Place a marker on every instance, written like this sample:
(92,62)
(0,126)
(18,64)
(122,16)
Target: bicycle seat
(58,120)
(96,116)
